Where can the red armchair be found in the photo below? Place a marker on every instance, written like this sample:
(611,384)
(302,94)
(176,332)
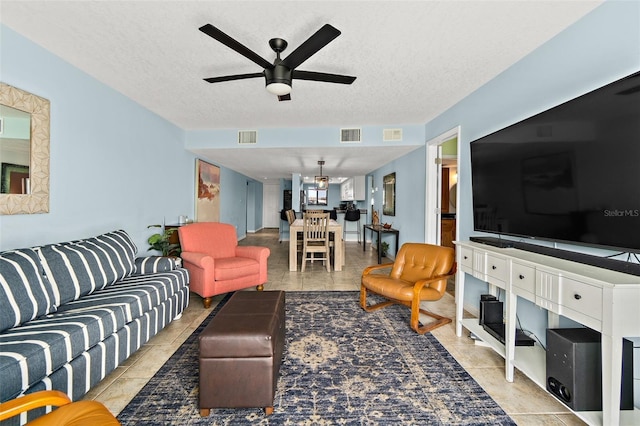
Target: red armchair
(216,263)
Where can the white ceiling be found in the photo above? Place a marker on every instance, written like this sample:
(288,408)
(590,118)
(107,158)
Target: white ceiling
(412,60)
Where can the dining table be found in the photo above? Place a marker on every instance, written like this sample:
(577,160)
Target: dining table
(334,227)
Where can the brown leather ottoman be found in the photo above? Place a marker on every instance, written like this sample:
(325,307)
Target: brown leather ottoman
(241,351)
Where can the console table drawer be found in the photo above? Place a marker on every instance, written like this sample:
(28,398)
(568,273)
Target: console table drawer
(466,259)
(580,297)
(497,268)
(523,279)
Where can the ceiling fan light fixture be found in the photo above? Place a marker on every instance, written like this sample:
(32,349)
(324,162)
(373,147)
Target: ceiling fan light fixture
(279,89)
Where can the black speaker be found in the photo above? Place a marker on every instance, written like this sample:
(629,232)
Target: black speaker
(491,311)
(574,369)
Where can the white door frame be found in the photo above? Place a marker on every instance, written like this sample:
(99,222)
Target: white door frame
(433,186)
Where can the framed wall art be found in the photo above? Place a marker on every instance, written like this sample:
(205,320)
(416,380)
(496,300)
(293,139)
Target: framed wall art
(207,192)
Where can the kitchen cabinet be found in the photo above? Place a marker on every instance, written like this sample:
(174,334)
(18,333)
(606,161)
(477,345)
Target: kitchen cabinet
(353,189)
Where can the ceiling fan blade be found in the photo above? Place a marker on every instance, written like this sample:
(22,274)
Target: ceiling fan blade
(317,41)
(233,77)
(286,97)
(323,76)
(231,43)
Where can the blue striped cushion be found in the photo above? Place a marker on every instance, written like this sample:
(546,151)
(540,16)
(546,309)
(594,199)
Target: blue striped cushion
(153,264)
(24,294)
(81,267)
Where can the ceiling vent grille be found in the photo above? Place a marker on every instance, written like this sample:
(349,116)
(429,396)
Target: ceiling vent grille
(392,135)
(247,137)
(350,135)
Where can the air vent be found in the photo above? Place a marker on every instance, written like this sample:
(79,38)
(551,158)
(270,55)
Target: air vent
(350,135)
(392,135)
(247,137)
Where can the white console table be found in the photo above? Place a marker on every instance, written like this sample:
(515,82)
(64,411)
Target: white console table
(604,300)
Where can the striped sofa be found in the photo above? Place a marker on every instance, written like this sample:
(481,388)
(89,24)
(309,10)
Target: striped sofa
(70,313)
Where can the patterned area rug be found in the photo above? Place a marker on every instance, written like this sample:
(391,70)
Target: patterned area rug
(342,366)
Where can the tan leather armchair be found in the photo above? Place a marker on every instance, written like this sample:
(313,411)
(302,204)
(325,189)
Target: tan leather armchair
(69,413)
(419,273)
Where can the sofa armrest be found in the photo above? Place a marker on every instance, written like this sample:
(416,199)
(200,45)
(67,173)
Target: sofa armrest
(254,252)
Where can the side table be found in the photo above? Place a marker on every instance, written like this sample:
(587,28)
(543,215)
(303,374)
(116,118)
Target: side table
(380,230)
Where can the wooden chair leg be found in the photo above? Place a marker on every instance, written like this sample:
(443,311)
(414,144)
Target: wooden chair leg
(207,302)
(260,287)
(204,412)
(415,321)
(363,301)
(268,411)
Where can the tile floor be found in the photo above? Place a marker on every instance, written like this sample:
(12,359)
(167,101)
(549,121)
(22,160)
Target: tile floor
(524,401)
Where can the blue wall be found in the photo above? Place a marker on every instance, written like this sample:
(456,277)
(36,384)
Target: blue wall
(114,164)
(410,173)
(296,137)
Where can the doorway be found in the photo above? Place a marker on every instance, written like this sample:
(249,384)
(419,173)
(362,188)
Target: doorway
(441,226)
(271,203)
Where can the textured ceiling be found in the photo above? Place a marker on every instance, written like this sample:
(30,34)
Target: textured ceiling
(412,59)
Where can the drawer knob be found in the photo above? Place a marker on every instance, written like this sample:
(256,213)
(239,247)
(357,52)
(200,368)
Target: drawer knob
(577,296)
(494,267)
(521,276)
(465,257)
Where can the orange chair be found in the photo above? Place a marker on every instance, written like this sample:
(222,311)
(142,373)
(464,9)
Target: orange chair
(216,263)
(419,273)
(69,413)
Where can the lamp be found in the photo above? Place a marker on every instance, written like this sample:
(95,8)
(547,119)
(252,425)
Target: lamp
(278,79)
(322,182)
(279,89)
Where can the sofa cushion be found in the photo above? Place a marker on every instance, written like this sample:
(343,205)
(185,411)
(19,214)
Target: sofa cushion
(153,264)
(81,267)
(24,294)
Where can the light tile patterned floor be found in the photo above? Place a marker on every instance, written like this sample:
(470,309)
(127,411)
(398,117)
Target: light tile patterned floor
(524,401)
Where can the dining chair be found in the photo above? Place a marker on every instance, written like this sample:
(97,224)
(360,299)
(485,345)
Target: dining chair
(315,233)
(284,216)
(291,217)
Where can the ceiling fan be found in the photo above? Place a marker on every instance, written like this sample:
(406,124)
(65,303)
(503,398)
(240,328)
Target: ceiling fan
(279,74)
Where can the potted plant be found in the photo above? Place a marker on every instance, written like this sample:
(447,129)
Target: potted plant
(161,241)
(384,247)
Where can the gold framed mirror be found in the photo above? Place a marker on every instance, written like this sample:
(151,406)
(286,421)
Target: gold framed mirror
(35,186)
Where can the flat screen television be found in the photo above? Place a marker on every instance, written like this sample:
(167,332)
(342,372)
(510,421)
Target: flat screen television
(569,174)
